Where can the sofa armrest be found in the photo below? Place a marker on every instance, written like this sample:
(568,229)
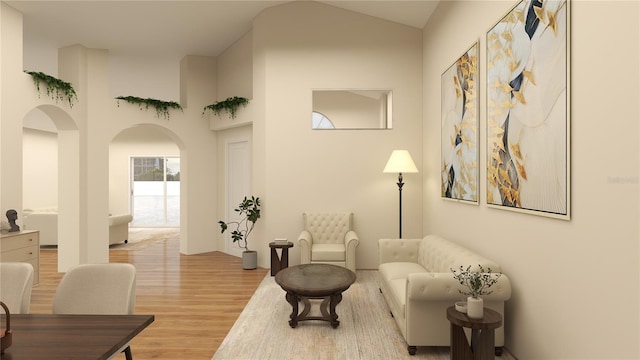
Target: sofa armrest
(443,287)
(121,219)
(305,241)
(398,250)
(351,239)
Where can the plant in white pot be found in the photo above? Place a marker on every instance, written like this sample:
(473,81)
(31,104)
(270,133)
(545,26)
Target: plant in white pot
(478,283)
(249,212)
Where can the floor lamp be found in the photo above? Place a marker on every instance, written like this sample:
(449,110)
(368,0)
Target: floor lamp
(400,162)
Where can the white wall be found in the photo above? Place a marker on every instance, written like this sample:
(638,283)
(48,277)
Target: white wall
(575,283)
(235,69)
(39,169)
(297,169)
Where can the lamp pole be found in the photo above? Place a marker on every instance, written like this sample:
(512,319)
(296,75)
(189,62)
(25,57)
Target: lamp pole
(400,183)
(400,162)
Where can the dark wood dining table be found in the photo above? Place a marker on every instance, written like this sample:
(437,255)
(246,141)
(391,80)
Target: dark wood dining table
(71,337)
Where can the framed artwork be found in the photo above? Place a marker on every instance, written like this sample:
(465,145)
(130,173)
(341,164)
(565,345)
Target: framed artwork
(459,129)
(528,132)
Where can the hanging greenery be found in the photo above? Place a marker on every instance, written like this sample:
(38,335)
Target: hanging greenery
(162,107)
(57,89)
(230,104)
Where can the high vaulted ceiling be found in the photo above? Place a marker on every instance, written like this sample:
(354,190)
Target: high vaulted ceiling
(204,27)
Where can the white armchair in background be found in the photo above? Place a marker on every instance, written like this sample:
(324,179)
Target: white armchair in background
(46,221)
(329,238)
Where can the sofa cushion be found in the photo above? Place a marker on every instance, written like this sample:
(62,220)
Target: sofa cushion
(398,294)
(399,270)
(328,252)
(395,275)
(439,255)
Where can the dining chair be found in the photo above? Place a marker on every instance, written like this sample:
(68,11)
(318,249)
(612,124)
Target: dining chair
(98,289)
(16,281)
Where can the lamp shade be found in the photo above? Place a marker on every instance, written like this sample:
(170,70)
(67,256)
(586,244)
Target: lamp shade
(400,162)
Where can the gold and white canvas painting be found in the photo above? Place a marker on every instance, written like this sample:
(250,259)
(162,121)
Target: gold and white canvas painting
(527,109)
(459,143)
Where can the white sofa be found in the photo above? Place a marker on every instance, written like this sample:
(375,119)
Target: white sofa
(46,221)
(418,286)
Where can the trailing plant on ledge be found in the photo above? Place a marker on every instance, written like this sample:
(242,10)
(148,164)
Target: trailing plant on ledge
(57,89)
(161,107)
(230,104)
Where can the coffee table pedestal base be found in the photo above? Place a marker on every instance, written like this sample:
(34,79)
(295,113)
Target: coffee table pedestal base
(327,309)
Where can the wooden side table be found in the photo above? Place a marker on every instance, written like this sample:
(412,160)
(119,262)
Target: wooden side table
(482,334)
(282,262)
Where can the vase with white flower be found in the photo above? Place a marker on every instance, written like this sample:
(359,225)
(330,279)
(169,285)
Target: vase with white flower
(477,281)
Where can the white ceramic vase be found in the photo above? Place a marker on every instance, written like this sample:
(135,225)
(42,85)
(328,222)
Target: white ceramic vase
(475,306)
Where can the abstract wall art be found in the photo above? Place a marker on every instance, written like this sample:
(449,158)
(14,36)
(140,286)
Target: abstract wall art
(528,137)
(459,129)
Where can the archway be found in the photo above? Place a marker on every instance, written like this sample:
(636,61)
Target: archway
(64,147)
(153,142)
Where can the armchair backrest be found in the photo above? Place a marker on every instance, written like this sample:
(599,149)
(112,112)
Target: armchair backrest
(16,280)
(328,228)
(97,289)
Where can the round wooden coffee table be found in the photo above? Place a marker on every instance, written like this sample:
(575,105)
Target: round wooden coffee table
(315,281)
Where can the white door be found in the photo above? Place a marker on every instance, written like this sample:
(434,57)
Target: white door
(238,169)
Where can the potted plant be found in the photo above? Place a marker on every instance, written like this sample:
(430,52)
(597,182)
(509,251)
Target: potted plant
(249,212)
(478,283)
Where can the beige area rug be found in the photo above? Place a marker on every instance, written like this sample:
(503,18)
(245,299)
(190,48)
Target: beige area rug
(140,238)
(367,331)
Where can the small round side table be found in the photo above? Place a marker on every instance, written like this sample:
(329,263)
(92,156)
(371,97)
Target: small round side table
(279,263)
(482,334)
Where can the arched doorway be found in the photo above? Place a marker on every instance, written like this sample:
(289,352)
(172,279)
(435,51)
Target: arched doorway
(144,176)
(52,141)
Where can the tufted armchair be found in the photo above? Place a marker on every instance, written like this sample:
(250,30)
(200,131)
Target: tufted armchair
(328,238)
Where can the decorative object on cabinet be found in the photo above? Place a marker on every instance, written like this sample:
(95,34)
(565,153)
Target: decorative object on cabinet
(161,107)
(22,246)
(400,162)
(230,105)
(12,216)
(459,120)
(57,89)
(528,112)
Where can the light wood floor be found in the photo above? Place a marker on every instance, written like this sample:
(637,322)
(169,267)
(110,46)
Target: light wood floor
(195,298)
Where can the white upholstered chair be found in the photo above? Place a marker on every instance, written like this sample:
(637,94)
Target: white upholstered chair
(103,289)
(16,281)
(329,238)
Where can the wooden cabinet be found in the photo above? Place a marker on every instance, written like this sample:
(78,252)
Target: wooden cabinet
(22,246)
